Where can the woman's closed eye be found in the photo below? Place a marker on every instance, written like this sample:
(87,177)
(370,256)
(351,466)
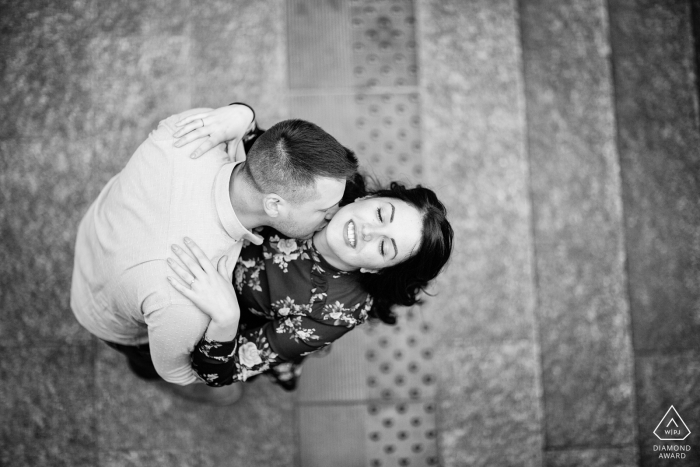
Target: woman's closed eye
(379,215)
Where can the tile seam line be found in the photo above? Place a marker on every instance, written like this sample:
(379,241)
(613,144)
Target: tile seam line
(623,238)
(353,91)
(533,238)
(587,447)
(343,403)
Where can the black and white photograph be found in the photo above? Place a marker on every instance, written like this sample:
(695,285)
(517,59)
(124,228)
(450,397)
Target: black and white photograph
(350,233)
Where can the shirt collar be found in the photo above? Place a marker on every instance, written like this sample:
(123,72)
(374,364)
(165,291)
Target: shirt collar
(227,215)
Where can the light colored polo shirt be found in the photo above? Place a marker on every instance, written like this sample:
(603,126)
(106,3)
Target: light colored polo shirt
(119,291)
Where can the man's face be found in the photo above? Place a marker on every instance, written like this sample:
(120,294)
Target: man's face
(302,220)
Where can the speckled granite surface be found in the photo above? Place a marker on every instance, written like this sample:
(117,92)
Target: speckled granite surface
(659,141)
(473,127)
(659,144)
(577,216)
(664,381)
(474,140)
(47,401)
(490,409)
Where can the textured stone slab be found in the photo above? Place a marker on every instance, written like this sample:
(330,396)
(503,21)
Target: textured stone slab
(137,415)
(122,18)
(154,82)
(47,404)
(43,187)
(239,54)
(621,457)
(663,381)
(154,458)
(42,44)
(489,400)
(575,186)
(659,143)
(474,151)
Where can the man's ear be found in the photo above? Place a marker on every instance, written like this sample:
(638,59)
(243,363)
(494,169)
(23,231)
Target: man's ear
(273,205)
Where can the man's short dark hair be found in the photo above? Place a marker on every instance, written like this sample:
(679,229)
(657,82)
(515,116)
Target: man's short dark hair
(288,157)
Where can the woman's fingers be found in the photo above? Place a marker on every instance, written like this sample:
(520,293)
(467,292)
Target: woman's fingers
(192,135)
(189,262)
(202,259)
(203,148)
(191,118)
(181,272)
(189,132)
(180,287)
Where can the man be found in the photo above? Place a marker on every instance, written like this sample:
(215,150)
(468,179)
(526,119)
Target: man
(292,180)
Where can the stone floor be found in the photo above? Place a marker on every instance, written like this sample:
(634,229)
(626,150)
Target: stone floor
(563,136)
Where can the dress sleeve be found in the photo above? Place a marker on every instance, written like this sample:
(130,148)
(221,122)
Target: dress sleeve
(282,340)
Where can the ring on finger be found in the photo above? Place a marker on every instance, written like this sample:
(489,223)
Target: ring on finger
(192,281)
(201,120)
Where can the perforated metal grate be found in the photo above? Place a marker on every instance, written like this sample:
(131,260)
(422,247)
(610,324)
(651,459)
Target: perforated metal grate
(400,423)
(388,130)
(384,43)
(399,359)
(401,434)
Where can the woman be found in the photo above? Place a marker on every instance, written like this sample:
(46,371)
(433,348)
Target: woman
(295,297)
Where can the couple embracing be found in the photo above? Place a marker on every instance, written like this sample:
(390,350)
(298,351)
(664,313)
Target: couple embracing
(213,262)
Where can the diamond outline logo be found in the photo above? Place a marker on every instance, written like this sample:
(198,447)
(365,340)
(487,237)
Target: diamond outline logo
(674,421)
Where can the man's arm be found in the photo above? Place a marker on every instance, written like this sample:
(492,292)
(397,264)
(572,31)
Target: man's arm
(173,332)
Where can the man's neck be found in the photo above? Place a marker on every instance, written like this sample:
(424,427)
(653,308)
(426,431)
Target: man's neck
(247,208)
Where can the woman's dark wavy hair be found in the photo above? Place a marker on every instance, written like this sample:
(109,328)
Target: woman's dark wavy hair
(402,283)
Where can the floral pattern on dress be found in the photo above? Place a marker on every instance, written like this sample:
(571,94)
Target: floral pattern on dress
(343,316)
(276,334)
(287,249)
(250,268)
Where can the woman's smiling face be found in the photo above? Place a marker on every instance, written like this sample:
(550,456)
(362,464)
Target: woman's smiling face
(371,233)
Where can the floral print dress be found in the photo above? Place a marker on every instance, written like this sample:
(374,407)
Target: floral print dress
(293,303)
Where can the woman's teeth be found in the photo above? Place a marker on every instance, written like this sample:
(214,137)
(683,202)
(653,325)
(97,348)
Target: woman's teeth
(351,233)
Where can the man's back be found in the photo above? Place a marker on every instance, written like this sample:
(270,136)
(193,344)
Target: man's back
(119,291)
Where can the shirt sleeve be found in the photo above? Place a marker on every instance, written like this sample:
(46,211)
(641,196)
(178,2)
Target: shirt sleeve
(282,340)
(173,332)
